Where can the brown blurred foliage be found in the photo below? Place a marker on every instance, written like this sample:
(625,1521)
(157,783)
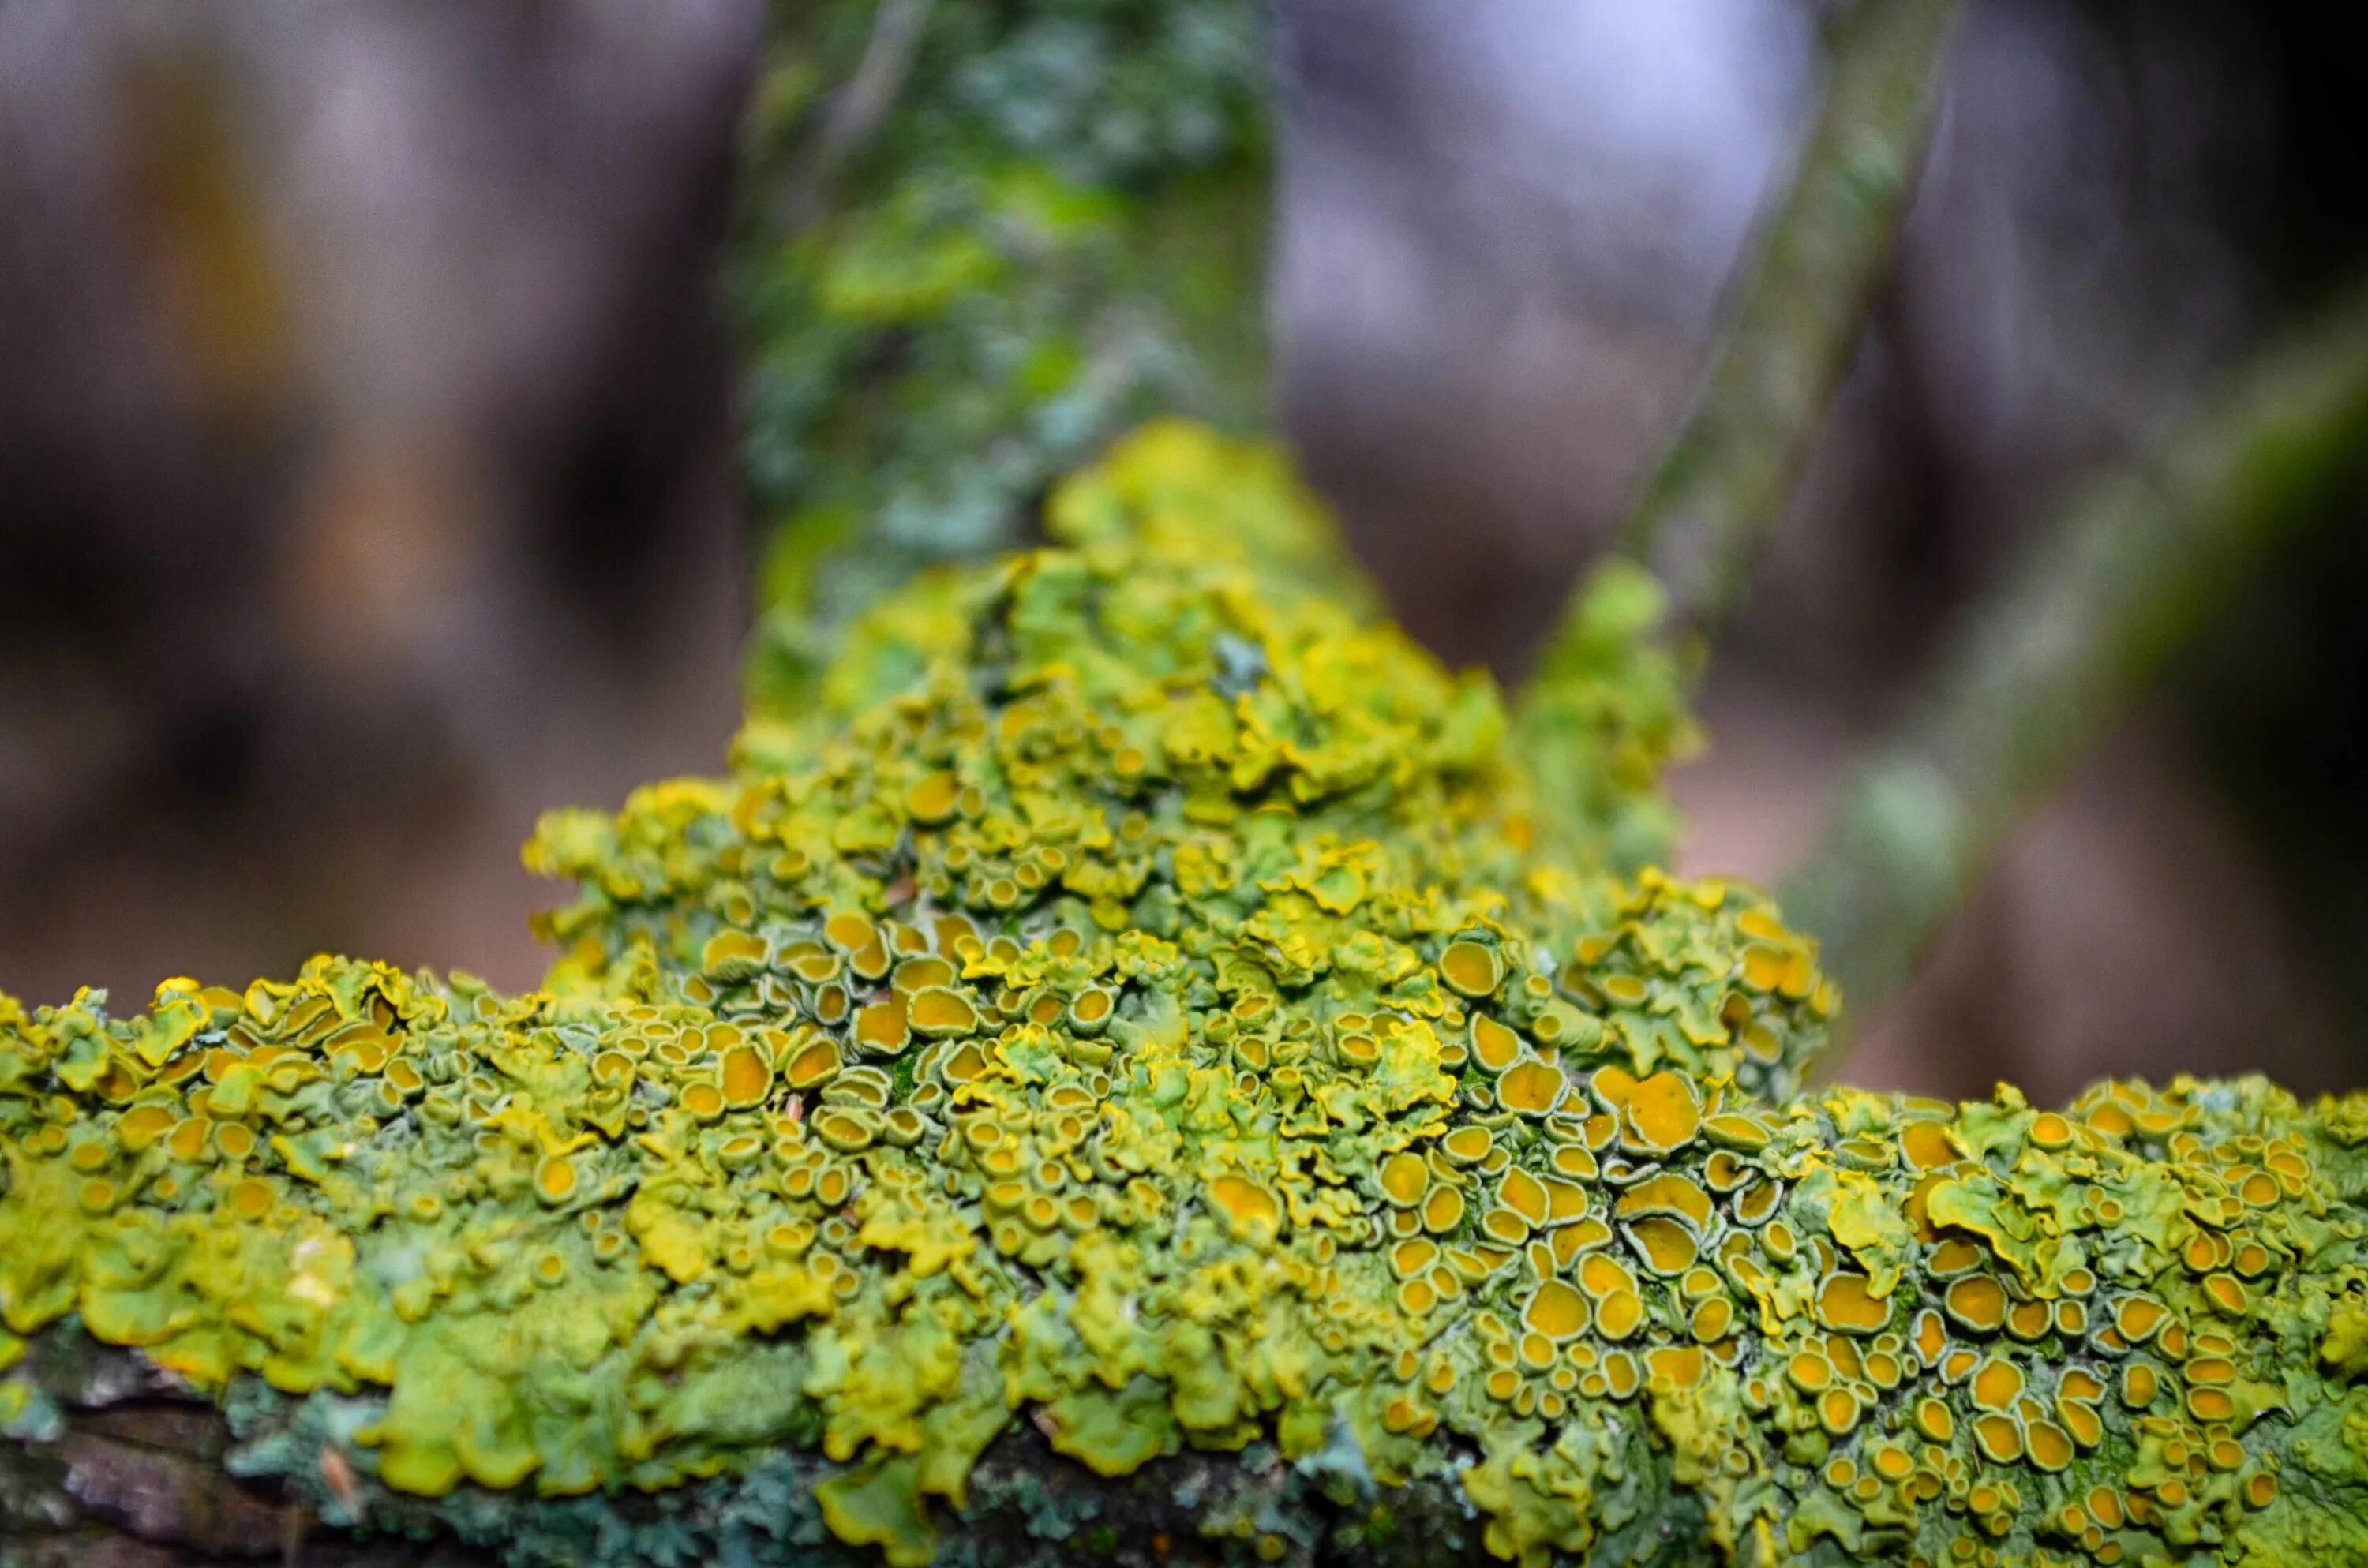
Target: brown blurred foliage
(365,478)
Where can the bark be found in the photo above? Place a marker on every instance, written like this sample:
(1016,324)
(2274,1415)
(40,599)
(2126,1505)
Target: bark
(1797,311)
(138,1471)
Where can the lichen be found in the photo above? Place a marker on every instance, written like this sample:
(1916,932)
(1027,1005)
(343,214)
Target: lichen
(980,242)
(1143,998)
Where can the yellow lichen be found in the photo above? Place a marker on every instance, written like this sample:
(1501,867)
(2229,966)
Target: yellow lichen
(1141,999)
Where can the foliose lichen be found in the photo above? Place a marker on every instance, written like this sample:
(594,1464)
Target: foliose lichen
(1144,998)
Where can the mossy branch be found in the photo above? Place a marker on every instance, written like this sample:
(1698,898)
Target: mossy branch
(1720,487)
(134,1469)
(1119,1079)
(1795,314)
(2140,562)
(1607,703)
(977,243)
(856,112)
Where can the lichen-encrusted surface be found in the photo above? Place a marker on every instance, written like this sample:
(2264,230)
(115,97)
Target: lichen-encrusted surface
(981,241)
(1144,1000)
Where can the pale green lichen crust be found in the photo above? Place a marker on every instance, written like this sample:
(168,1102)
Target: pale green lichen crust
(1142,1002)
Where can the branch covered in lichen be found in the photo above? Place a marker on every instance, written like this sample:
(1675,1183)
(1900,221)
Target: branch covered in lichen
(2139,564)
(1800,309)
(1613,681)
(978,242)
(1126,1030)
(1134,1060)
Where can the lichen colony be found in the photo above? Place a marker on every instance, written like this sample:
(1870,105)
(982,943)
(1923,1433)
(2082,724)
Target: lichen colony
(1149,998)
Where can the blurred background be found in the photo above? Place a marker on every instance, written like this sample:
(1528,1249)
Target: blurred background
(367,484)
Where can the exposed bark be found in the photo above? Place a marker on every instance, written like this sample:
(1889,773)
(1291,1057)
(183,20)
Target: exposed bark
(135,1476)
(132,1476)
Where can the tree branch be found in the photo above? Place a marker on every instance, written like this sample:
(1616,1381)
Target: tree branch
(1795,312)
(857,111)
(2139,564)
(1721,487)
(137,1469)
(954,282)
(1607,705)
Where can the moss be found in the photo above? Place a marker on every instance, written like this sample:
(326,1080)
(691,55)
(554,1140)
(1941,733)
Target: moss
(1142,1012)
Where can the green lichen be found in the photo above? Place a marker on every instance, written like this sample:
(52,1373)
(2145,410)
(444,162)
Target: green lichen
(1143,998)
(980,240)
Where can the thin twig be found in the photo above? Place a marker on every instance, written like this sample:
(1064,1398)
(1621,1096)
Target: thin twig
(1720,487)
(1796,314)
(1607,702)
(2138,565)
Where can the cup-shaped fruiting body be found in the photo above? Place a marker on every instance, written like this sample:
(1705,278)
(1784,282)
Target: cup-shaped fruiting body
(1137,1003)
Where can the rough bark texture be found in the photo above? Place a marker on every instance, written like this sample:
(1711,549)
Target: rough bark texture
(133,1476)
